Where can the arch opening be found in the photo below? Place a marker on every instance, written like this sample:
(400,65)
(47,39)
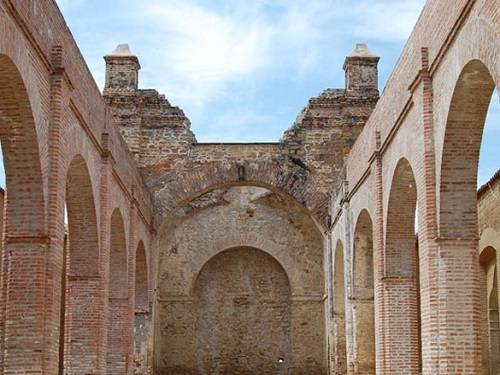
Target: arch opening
(80,282)
(461,150)
(363,296)
(24,210)
(490,319)
(118,307)
(458,214)
(142,317)
(401,282)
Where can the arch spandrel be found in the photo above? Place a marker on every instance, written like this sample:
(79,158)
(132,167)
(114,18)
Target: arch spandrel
(295,182)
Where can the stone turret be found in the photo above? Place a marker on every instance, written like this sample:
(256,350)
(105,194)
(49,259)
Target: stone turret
(361,73)
(122,71)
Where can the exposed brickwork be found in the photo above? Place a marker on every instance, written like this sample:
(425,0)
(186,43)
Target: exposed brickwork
(489,244)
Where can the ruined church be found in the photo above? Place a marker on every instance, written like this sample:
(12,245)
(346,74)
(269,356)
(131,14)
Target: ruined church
(357,244)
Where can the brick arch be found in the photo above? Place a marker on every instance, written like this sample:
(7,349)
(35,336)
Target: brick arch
(400,241)
(118,308)
(338,275)
(82,220)
(227,249)
(295,182)
(401,276)
(242,298)
(461,147)
(264,245)
(25,225)
(78,345)
(21,155)
(490,316)
(363,360)
(141,302)
(363,255)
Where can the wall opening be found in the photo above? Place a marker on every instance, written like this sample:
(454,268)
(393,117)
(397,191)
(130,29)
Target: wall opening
(401,286)
(118,307)
(24,210)
(490,318)
(363,296)
(80,282)
(458,218)
(142,316)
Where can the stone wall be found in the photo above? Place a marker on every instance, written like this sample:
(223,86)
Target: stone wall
(242,307)
(232,218)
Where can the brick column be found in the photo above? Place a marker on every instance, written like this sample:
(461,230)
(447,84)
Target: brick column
(379,258)
(427,231)
(105,236)
(59,100)
(132,241)
(329,316)
(459,306)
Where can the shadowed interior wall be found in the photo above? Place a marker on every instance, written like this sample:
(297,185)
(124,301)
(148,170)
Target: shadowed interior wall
(242,300)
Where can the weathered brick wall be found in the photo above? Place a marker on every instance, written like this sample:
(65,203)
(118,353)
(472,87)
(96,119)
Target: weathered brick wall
(431,113)
(65,153)
(488,207)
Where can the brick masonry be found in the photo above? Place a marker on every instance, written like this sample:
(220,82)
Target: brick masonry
(150,259)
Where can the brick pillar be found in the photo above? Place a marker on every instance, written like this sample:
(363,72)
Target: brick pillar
(459,306)
(329,319)
(379,258)
(105,236)
(55,262)
(131,283)
(153,250)
(427,232)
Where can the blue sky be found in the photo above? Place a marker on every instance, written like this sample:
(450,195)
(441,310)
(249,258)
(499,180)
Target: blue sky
(242,69)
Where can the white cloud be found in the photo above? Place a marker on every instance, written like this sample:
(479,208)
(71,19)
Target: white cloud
(204,50)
